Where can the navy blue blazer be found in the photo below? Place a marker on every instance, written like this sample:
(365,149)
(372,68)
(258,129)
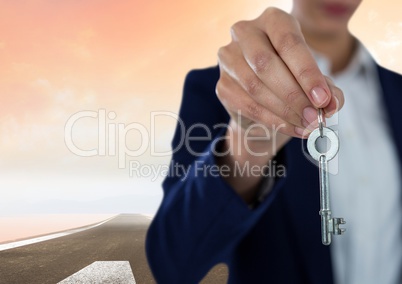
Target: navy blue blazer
(202,221)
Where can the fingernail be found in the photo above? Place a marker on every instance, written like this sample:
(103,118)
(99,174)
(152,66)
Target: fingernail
(319,96)
(311,116)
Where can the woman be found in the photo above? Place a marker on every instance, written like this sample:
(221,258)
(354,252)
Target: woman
(265,227)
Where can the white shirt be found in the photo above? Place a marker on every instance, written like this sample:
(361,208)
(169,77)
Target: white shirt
(366,187)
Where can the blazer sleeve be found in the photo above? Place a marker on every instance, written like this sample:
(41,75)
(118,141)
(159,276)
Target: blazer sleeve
(201,219)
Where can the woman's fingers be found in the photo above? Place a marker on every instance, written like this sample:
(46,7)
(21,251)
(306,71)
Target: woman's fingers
(238,69)
(337,99)
(269,74)
(238,103)
(286,37)
(269,68)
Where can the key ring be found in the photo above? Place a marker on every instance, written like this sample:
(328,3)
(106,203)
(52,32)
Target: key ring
(333,138)
(320,122)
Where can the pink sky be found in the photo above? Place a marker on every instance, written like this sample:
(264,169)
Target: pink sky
(61,57)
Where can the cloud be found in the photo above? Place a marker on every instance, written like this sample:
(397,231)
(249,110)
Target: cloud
(79,45)
(390,44)
(372,15)
(393,36)
(41,83)
(21,138)
(81,51)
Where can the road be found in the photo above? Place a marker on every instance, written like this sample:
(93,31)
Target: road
(120,239)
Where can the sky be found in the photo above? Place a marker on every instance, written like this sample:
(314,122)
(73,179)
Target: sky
(69,68)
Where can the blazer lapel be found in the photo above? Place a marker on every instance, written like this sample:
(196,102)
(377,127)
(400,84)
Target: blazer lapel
(391,85)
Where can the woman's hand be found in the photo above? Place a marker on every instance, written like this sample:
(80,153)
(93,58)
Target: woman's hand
(271,86)
(269,74)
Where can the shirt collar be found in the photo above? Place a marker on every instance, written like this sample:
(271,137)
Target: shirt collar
(361,64)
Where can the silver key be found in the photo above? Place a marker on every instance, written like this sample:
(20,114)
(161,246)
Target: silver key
(329,225)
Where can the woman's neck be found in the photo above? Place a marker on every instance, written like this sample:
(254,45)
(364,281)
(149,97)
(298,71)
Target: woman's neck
(339,49)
